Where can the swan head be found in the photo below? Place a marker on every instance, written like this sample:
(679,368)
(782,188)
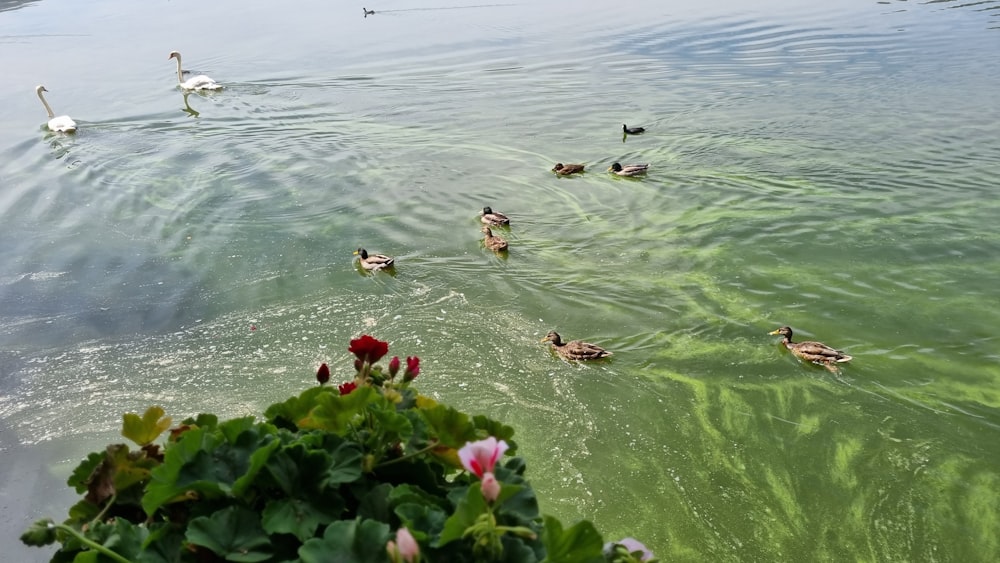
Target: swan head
(174,55)
(39,89)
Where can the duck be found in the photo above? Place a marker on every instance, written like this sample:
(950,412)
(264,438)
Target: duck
(815,352)
(494,218)
(199,82)
(628,169)
(62,123)
(575,349)
(567,169)
(368,12)
(496,244)
(374,262)
(632,130)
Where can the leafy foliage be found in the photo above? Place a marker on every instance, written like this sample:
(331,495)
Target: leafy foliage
(327,475)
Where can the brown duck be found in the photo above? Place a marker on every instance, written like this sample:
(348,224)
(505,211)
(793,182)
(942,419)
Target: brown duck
(567,169)
(494,243)
(815,352)
(575,349)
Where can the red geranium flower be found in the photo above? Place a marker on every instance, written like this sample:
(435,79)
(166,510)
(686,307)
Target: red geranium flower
(412,368)
(346,388)
(368,349)
(323,374)
(394,366)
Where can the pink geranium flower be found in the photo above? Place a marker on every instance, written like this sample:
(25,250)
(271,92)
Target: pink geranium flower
(490,487)
(480,457)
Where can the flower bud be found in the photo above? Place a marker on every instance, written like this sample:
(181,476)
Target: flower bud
(490,487)
(323,373)
(394,366)
(409,549)
(358,364)
(412,368)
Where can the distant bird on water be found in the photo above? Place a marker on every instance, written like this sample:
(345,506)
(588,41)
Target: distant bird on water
(567,169)
(200,82)
(815,352)
(575,349)
(632,130)
(628,169)
(494,243)
(494,218)
(63,123)
(374,262)
(368,12)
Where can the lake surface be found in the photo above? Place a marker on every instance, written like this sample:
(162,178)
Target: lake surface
(832,168)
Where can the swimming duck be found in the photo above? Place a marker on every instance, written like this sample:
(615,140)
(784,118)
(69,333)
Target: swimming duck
(368,12)
(575,349)
(815,352)
(567,169)
(628,169)
(494,218)
(632,130)
(200,82)
(496,244)
(62,123)
(374,262)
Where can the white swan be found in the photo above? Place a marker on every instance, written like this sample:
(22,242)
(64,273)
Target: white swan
(200,82)
(63,123)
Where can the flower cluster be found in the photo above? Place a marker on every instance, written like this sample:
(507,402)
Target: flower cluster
(367,352)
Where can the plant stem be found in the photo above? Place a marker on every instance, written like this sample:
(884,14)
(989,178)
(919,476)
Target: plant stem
(430,447)
(104,510)
(92,544)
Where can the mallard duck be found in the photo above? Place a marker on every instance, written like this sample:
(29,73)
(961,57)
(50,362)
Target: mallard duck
(567,169)
(374,262)
(496,244)
(628,169)
(62,123)
(632,130)
(815,352)
(575,349)
(200,82)
(494,218)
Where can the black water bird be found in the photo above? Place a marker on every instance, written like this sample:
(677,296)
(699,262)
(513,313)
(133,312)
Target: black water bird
(632,130)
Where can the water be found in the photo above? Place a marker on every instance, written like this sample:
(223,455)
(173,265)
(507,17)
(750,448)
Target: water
(829,168)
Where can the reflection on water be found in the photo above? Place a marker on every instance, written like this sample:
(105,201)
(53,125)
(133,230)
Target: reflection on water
(810,166)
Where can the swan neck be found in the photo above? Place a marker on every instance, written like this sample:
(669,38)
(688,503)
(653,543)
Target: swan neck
(180,76)
(46,104)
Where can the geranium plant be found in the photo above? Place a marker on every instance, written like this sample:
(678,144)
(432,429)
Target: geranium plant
(366,471)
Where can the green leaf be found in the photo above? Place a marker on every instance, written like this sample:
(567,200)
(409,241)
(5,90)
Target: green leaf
(393,426)
(42,532)
(346,467)
(144,430)
(297,408)
(465,515)
(451,427)
(233,533)
(428,519)
(81,475)
(334,413)
(375,503)
(581,543)
(293,516)
(355,541)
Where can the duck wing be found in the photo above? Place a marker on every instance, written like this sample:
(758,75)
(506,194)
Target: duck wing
(818,352)
(578,350)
